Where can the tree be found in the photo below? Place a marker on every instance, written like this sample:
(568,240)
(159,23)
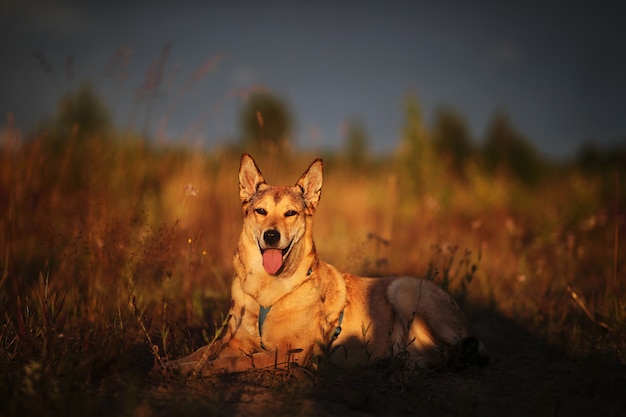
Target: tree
(415,152)
(506,149)
(266,122)
(415,142)
(451,138)
(592,157)
(356,142)
(80,117)
(80,135)
(82,114)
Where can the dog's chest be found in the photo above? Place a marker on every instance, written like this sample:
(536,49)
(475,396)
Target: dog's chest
(269,290)
(287,329)
(295,321)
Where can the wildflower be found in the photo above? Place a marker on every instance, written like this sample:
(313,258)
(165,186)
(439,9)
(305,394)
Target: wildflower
(190,190)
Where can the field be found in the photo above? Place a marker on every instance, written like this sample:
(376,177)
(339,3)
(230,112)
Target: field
(116,255)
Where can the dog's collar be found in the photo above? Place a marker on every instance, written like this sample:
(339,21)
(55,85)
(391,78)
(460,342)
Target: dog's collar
(338,328)
(262,315)
(264,310)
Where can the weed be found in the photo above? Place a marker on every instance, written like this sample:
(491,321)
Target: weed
(209,343)
(105,246)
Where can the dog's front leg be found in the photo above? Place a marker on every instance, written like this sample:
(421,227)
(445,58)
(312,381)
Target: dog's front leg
(194,362)
(269,359)
(231,355)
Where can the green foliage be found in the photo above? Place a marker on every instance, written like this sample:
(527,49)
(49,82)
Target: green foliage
(593,158)
(266,122)
(416,151)
(357,140)
(80,131)
(508,150)
(452,140)
(415,139)
(82,115)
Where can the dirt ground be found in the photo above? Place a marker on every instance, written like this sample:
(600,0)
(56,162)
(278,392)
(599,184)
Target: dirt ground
(524,377)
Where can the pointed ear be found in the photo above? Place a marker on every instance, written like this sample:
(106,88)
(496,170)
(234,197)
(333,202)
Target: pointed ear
(250,178)
(311,185)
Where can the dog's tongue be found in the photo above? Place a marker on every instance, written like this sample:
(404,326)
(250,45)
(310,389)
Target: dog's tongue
(272,260)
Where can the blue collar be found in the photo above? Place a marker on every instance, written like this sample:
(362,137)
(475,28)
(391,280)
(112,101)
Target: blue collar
(264,310)
(338,328)
(262,314)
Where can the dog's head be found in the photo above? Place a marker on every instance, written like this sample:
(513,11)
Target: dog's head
(276,216)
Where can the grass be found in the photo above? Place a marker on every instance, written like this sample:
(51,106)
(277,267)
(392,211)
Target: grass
(117,254)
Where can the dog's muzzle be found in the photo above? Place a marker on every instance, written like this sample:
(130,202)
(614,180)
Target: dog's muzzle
(273,257)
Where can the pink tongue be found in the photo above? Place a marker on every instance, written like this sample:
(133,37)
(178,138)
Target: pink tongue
(272,260)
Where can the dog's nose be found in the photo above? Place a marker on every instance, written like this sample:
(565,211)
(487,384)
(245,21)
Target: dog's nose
(271,237)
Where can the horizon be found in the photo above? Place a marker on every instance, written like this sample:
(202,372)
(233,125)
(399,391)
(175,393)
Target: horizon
(556,70)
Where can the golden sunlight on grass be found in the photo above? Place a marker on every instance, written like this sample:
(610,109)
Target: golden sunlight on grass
(106,244)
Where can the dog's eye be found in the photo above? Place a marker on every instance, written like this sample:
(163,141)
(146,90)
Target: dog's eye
(291,213)
(261,211)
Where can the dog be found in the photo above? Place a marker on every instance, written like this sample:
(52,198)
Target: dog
(288,306)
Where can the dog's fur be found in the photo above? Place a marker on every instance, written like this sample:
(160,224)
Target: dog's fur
(289,306)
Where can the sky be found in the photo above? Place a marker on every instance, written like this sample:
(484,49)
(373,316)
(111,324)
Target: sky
(558,69)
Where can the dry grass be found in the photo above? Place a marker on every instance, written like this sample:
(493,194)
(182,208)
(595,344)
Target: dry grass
(97,227)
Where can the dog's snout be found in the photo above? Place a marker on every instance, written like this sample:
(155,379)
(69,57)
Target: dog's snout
(271,237)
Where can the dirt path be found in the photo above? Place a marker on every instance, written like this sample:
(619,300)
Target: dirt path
(525,377)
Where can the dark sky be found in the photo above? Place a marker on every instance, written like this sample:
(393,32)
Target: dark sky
(557,68)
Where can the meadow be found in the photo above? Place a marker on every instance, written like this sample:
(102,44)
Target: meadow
(116,255)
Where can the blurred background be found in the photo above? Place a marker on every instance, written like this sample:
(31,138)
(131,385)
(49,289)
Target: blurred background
(183,71)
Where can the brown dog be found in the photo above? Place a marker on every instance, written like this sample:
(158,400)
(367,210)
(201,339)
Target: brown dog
(289,306)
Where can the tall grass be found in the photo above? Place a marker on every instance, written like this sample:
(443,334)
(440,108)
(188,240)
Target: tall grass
(108,239)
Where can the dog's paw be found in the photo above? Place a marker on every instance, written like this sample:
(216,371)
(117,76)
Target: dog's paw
(470,352)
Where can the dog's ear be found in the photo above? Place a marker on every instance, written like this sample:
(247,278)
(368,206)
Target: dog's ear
(250,178)
(311,185)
